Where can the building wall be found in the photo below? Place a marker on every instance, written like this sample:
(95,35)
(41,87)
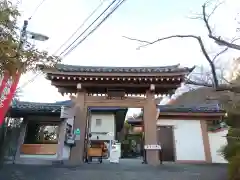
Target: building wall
(107,125)
(188,139)
(66,149)
(217,140)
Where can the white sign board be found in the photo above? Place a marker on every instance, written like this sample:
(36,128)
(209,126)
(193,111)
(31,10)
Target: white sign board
(110,134)
(152,147)
(77,137)
(67,112)
(70,141)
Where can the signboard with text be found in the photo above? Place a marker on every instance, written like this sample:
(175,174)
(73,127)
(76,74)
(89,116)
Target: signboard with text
(152,147)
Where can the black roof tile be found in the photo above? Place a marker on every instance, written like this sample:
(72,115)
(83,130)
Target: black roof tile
(56,107)
(105,69)
(36,107)
(200,108)
(52,107)
(203,108)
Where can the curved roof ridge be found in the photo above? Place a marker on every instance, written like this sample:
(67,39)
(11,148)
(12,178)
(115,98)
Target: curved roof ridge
(84,66)
(116,69)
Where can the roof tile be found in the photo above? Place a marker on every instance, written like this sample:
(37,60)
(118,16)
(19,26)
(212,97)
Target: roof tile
(102,69)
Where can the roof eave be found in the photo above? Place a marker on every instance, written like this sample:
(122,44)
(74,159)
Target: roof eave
(199,113)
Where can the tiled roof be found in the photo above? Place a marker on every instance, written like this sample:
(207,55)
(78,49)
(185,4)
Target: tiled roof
(203,95)
(36,107)
(105,69)
(53,107)
(56,107)
(204,108)
(200,108)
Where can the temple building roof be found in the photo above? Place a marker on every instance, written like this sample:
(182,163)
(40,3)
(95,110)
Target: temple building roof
(106,69)
(191,108)
(56,107)
(130,80)
(52,108)
(204,109)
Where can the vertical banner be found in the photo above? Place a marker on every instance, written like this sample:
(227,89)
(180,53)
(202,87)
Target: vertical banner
(4,82)
(7,95)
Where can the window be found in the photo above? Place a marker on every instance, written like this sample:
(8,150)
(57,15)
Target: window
(38,133)
(98,122)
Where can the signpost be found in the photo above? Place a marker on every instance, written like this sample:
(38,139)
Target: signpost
(77,133)
(152,147)
(110,143)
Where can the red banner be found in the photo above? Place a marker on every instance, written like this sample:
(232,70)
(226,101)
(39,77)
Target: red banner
(4,82)
(7,95)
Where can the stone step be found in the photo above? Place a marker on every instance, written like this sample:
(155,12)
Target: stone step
(34,161)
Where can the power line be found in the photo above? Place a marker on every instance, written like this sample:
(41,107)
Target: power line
(92,13)
(105,18)
(40,73)
(87,28)
(39,5)
(36,9)
(30,81)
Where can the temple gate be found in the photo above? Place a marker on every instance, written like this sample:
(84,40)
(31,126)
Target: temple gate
(135,87)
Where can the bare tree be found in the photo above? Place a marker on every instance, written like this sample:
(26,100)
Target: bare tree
(203,74)
(214,80)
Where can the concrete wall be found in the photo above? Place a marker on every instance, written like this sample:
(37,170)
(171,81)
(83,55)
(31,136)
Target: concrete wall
(107,125)
(188,139)
(217,140)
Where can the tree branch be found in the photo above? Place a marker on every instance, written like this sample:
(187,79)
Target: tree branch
(188,81)
(199,39)
(219,53)
(218,39)
(132,39)
(221,87)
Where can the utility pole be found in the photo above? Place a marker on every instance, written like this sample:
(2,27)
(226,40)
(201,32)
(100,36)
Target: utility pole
(23,36)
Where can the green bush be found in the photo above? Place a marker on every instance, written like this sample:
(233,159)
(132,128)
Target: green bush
(231,152)
(234,167)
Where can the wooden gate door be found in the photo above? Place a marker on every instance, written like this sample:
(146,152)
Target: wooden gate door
(165,138)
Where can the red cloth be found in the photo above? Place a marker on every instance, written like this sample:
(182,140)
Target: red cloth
(8,87)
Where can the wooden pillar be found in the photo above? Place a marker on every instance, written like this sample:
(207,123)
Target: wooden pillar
(80,121)
(150,128)
(206,143)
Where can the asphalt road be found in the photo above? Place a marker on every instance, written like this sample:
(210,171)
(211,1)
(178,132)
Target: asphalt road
(126,170)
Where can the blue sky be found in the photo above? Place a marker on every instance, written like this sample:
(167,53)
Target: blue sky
(143,19)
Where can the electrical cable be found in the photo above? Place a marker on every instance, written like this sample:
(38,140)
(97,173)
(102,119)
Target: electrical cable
(36,9)
(40,73)
(88,27)
(84,22)
(105,18)
(32,79)
(119,3)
